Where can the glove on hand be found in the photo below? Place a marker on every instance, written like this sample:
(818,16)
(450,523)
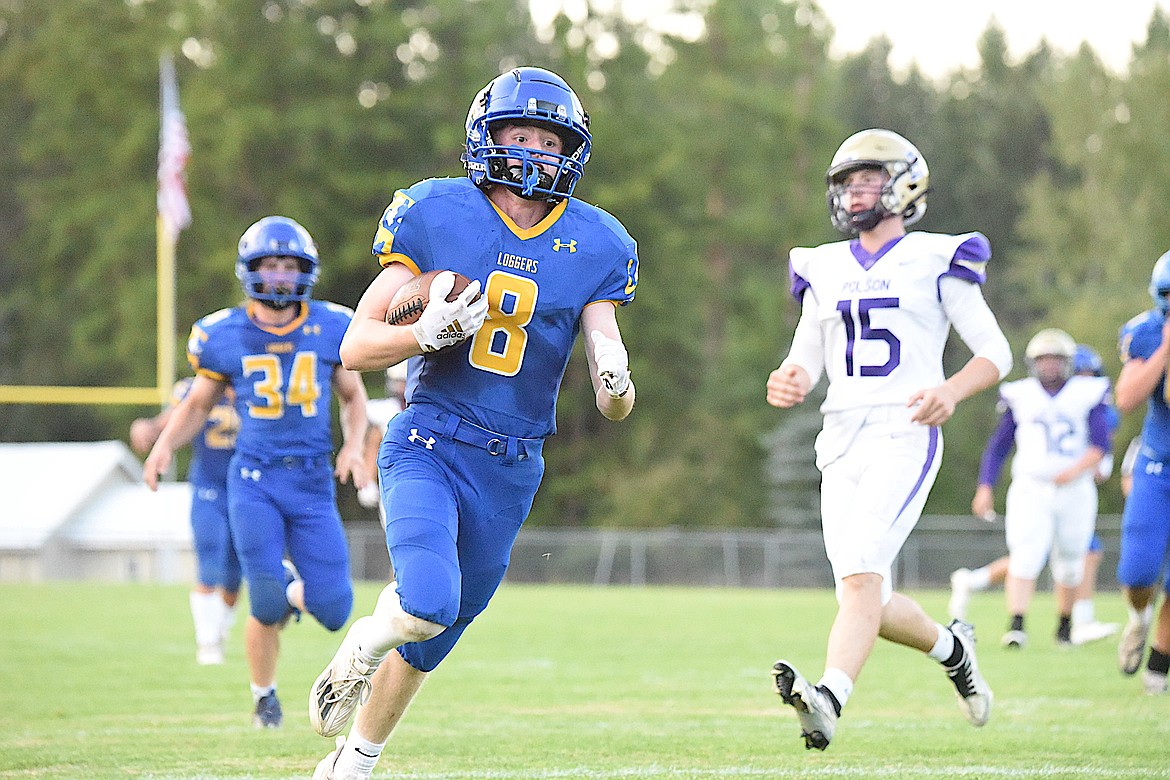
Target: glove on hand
(612,364)
(445,323)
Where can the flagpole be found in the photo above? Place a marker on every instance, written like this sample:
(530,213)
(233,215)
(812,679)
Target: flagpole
(174,214)
(166,324)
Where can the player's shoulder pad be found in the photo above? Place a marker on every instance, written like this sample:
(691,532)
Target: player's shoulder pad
(180,390)
(216,317)
(1095,388)
(605,222)
(337,308)
(439,187)
(1009,391)
(1150,316)
(963,255)
(800,258)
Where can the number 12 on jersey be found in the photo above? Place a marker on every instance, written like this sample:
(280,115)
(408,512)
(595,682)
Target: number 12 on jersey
(859,328)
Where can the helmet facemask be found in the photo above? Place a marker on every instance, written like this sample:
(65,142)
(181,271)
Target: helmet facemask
(903,192)
(527,97)
(278,289)
(1160,284)
(277,237)
(525,171)
(1051,343)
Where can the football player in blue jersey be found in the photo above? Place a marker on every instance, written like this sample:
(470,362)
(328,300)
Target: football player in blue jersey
(461,465)
(1145,521)
(279,353)
(217,585)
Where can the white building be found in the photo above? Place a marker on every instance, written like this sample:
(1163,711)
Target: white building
(80,511)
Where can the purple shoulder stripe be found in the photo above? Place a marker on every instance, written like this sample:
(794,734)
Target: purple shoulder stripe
(799,285)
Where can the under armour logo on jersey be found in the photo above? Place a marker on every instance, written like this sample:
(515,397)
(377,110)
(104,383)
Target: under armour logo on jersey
(571,245)
(252,474)
(428,442)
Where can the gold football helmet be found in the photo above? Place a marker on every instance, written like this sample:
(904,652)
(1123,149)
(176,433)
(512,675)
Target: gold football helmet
(905,188)
(1051,341)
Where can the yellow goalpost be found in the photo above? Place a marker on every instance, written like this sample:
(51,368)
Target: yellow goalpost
(165,353)
(173,215)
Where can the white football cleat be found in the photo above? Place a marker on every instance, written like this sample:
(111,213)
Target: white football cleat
(1015,639)
(325,766)
(1133,645)
(1091,632)
(818,718)
(209,655)
(343,685)
(960,593)
(1154,682)
(972,690)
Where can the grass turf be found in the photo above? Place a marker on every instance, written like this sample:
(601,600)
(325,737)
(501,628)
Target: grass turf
(99,681)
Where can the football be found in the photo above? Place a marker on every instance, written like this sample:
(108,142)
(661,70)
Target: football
(410,300)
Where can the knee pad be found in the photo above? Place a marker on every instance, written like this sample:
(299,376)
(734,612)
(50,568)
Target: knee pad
(425,656)
(429,585)
(268,603)
(1067,571)
(331,607)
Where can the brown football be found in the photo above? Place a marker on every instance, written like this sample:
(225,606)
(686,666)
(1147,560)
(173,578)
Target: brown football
(410,300)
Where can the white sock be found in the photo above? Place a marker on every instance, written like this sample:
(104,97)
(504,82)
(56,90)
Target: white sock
(359,756)
(1082,612)
(980,578)
(839,683)
(260,691)
(228,620)
(1145,616)
(207,612)
(944,645)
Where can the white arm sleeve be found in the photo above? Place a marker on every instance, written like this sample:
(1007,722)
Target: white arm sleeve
(974,322)
(807,350)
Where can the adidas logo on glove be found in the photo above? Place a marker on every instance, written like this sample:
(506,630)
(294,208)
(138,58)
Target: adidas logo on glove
(453,333)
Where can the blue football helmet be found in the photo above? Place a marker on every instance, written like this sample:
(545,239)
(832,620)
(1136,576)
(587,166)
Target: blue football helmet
(1088,361)
(529,96)
(1160,283)
(277,237)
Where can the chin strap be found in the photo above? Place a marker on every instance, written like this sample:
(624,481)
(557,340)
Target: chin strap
(867,220)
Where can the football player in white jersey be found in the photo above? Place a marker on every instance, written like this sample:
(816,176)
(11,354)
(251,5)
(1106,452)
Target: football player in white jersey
(1085,626)
(379,413)
(875,313)
(1060,426)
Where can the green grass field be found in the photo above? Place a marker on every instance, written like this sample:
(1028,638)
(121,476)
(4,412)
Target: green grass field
(99,681)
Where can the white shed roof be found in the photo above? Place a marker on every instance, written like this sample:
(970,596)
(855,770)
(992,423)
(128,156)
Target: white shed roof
(46,487)
(131,516)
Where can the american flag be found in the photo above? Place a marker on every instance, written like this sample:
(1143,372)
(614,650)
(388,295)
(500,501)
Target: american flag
(173,153)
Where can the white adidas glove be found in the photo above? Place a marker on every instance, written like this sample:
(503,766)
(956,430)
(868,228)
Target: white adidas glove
(443,323)
(613,363)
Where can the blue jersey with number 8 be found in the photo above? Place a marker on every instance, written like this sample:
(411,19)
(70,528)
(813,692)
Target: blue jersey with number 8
(537,282)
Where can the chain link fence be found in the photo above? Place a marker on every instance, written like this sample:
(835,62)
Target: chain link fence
(730,558)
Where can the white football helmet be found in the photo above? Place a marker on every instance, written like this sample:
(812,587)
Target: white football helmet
(1051,341)
(905,188)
